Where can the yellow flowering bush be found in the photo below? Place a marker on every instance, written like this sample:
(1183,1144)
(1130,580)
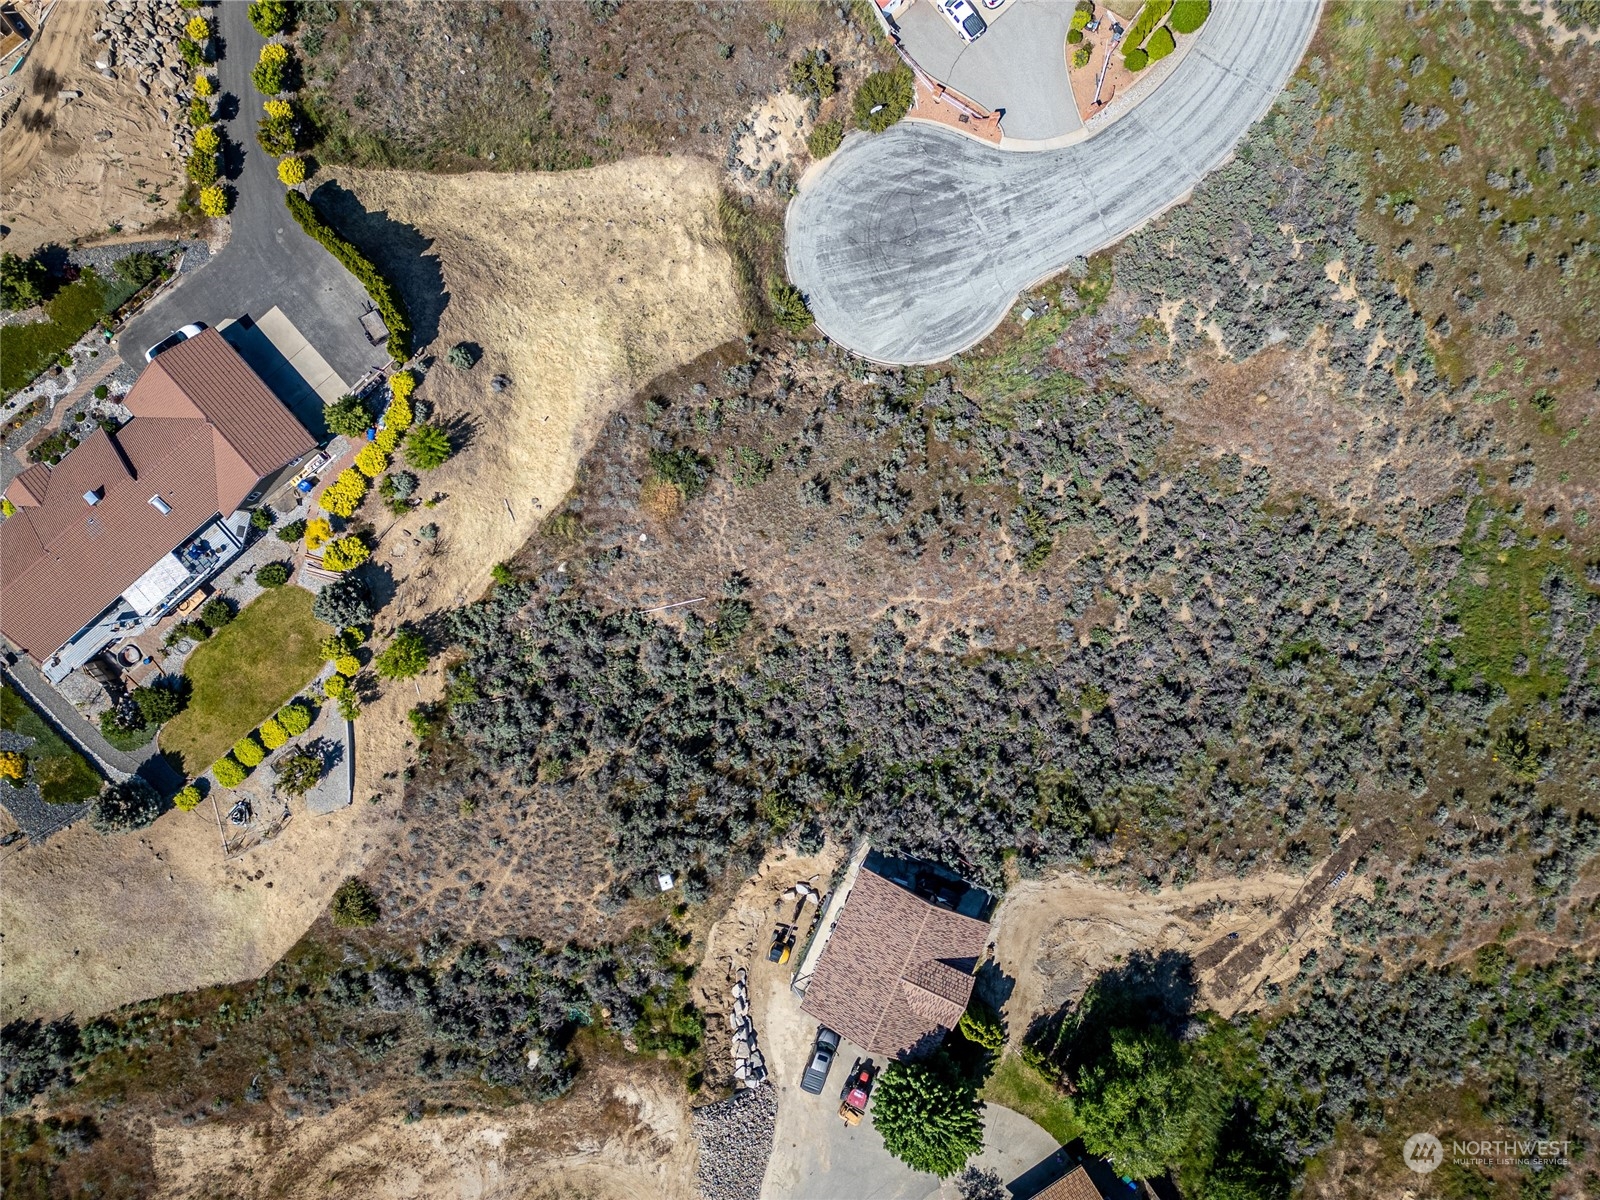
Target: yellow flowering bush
(229,773)
(318,530)
(198,28)
(248,751)
(345,494)
(273,734)
(388,438)
(13,765)
(371,461)
(344,553)
(348,665)
(203,87)
(207,140)
(292,170)
(187,799)
(402,384)
(279,110)
(274,54)
(214,200)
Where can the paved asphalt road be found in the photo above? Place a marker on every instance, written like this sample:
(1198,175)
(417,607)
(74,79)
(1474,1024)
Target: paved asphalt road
(269,261)
(1018,66)
(912,245)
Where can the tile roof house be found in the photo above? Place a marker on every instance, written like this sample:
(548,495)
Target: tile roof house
(1074,1185)
(206,435)
(897,970)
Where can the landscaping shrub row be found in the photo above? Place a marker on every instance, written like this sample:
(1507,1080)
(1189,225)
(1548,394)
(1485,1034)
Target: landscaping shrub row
(390,307)
(1144,24)
(248,752)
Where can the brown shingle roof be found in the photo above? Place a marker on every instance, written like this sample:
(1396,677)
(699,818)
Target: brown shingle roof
(1074,1185)
(63,560)
(896,974)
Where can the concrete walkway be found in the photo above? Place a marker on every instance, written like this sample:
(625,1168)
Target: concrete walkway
(912,245)
(269,261)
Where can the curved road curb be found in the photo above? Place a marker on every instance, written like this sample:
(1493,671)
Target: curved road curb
(912,245)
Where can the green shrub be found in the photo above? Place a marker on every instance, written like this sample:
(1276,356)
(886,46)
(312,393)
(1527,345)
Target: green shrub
(502,574)
(122,736)
(347,416)
(1160,44)
(825,138)
(354,905)
(883,98)
(1149,17)
(1074,37)
(1135,59)
(789,308)
(1081,16)
(930,1123)
(813,75)
(275,71)
(403,657)
(158,705)
(272,574)
(270,16)
(276,136)
(426,447)
(195,631)
(981,1026)
(293,531)
(1189,15)
(295,719)
(262,519)
(1081,57)
(298,773)
(22,281)
(387,301)
(131,804)
(273,734)
(217,612)
(229,774)
(248,751)
(682,467)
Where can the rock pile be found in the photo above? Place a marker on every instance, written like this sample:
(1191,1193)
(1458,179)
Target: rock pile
(749,1065)
(735,1137)
(138,40)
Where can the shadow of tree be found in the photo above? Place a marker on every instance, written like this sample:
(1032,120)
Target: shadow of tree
(1148,989)
(399,251)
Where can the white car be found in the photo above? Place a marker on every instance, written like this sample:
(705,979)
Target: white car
(172,339)
(965,18)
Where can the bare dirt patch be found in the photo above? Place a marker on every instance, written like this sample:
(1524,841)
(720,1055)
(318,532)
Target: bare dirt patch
(617,1136)
(92,922)
(579,288)
(76,167)
(1056,935)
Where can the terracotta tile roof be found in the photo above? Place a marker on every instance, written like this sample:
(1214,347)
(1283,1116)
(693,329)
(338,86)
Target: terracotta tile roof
(64,560)
(1074,1185)
(897,971)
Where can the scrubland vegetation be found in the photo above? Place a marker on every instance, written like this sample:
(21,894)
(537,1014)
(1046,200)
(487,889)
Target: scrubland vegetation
(1020,613)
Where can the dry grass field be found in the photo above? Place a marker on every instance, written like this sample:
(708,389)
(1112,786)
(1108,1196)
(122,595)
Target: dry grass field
(578,287)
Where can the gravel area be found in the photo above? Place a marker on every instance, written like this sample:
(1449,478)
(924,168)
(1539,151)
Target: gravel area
(196,254)
(735,1137)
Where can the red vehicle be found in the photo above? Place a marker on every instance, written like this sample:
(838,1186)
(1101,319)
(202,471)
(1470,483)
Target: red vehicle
(857,1091)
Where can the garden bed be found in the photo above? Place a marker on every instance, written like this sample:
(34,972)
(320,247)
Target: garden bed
(63,775)
(244,674)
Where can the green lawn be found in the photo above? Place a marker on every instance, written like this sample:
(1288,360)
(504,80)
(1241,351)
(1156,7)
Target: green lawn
(1019,1087)
(70,313)
(244,674)
(64,776)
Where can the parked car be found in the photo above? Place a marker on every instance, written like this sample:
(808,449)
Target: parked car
(965,18)
(816,1074)
(172,339)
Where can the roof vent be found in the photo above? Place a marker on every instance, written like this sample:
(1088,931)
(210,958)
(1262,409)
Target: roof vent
(92,496)
(161,505)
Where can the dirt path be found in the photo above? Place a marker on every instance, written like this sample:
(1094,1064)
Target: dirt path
(75,168)
(615,1137)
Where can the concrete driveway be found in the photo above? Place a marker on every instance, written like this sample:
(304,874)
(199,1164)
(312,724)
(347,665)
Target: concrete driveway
(816,1156)
(1018,67)
(268,261)
(911,245)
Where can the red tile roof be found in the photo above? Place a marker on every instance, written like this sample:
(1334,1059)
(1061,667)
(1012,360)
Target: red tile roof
(1074,1185)
(897,971)
(205,432)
